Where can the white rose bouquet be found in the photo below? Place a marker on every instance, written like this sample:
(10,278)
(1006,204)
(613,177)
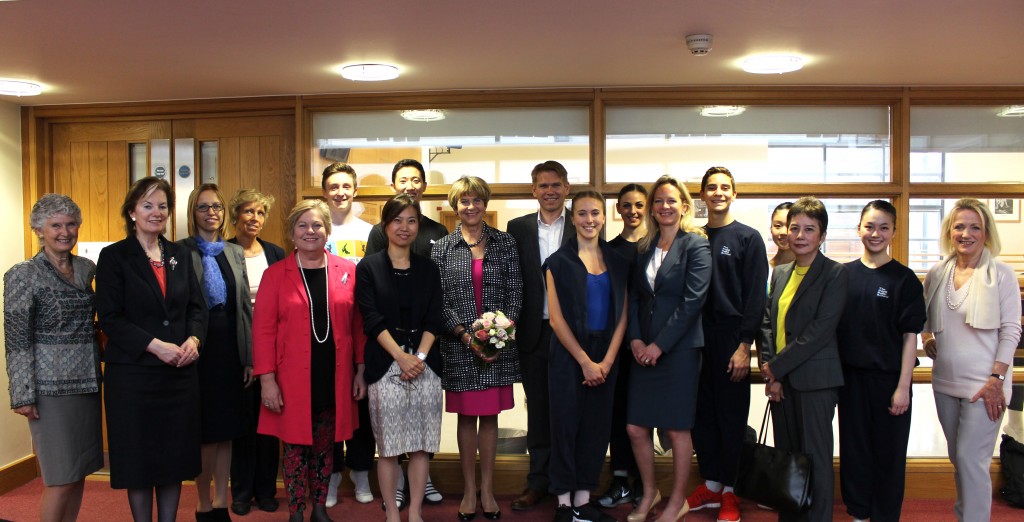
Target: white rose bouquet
(491,334)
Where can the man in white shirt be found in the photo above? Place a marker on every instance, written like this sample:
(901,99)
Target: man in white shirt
(348,232)
(538,235)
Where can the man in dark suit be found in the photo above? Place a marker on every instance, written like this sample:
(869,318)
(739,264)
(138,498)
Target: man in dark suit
(537,236)
(409,177)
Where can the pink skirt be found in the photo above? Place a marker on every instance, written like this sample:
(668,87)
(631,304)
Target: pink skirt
(479,403)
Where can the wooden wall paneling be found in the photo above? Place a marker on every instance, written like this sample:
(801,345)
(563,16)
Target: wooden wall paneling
(227,161)
(109,194)
(97,175)
(248,163)
(270,181)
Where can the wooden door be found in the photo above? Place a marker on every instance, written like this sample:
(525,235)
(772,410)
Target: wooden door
(253,152)
(90,164)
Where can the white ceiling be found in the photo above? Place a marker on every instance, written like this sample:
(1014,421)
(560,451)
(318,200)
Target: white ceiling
(89,51)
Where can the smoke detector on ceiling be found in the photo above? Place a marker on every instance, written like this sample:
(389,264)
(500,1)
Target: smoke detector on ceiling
(698,44)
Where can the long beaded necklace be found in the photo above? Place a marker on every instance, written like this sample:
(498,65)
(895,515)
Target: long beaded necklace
(950,290)
(157,264)
(327,292)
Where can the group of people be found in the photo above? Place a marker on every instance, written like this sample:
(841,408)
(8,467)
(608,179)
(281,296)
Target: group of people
(351,345)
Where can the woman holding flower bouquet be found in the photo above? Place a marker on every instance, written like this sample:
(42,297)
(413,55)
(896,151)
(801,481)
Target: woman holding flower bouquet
(586,287)
(399,295)
(479,274)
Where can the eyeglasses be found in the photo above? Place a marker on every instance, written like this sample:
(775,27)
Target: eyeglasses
(217,208)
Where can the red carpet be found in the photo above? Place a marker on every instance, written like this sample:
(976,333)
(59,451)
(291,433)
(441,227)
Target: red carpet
(102,504)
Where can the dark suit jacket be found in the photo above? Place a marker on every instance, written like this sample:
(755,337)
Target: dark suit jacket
(810,359)
(669,314)
(524,230)
(133,311)
(379,301)
(273,252)
(243,302)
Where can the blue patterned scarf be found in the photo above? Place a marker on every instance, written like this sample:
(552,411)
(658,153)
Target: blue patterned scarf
(213,280)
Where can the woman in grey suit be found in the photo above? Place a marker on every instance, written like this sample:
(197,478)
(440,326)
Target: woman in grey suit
(225,368)
(671,279)
(798,351)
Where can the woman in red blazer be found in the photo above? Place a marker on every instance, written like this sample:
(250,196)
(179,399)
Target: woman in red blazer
(308,353)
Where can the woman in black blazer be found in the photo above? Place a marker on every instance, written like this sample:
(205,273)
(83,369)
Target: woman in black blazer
(671,279)
(399,295)
(798,351)
(151,308)
(226,367)
(254,456)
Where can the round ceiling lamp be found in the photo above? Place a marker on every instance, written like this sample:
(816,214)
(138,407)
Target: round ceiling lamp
(369,72)
(423,114)
(722,111)
(773,64)
(19,88)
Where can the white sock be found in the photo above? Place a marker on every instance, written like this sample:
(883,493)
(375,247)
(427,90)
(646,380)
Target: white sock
(564,500)
(715,487)
(581,497)
(361,480)
(728,489)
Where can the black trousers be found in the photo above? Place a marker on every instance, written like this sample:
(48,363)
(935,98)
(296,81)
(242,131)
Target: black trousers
(872,446)
(722,408)
(581,418)
(619,445)
(254,457)
(361,447)
(534,366)
(803,422)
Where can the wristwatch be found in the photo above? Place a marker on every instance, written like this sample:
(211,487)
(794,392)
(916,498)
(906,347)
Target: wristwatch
(998,376)
(421,356)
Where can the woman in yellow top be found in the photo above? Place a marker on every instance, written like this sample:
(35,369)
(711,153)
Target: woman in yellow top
(799,353)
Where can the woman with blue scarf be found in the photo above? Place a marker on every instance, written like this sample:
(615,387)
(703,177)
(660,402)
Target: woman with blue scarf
(225,367)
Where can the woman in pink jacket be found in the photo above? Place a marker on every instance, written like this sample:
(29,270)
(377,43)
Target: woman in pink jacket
(308,353)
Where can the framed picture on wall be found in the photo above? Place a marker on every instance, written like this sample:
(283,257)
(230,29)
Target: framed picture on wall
(1005,210)
(700,209)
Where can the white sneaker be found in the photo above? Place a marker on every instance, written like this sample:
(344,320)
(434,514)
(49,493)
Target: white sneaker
(332,489)
(361,480)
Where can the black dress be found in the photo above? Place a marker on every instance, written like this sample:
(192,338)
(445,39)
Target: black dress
(220,370)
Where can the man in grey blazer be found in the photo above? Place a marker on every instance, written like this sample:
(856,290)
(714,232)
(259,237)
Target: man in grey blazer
(537,236)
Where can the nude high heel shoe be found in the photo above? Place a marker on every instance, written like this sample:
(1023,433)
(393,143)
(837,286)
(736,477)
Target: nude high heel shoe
(641,516)
(683,511)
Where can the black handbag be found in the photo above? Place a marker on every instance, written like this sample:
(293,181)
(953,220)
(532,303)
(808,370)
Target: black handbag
(773,477)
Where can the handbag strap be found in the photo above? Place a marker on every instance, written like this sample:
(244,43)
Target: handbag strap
(762,436)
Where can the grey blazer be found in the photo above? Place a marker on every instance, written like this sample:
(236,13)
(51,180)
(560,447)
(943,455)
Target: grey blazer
(235,255)
(810,359)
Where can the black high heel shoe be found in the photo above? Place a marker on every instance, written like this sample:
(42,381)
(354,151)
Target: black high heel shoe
(489,515)
(469,516)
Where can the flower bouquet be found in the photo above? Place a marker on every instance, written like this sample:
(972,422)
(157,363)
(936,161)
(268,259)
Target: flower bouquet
(491,334)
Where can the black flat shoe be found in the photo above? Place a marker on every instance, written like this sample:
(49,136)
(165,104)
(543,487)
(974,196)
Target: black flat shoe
(467,516)
(492,515)
(240,508)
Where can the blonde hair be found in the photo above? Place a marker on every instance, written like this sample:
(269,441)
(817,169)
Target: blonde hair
(244,197)
(193,200)
(316,205)
(466,185)
(685,221)
(987,226)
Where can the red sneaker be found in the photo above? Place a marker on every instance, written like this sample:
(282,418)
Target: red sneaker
(730,510)
(703,497)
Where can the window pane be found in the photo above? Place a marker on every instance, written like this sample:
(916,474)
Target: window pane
(498,145)
(926,217)
(965,144)
(763,144)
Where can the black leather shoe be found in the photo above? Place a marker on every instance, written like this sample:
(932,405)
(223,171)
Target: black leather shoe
(295,517)
(240,508)
(206,516)
(221,515)
(319,514)
(269,505)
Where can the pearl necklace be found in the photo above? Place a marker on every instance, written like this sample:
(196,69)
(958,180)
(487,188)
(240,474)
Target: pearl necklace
(479,239)
(950,290)
(327,292)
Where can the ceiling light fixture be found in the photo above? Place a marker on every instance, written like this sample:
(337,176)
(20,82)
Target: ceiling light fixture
(1013,111)
(19,88)
(423,114)
(773,64)
(369,72)
(722,111)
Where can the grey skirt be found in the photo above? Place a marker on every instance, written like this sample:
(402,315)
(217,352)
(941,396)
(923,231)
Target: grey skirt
(406,415)
(67,437)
